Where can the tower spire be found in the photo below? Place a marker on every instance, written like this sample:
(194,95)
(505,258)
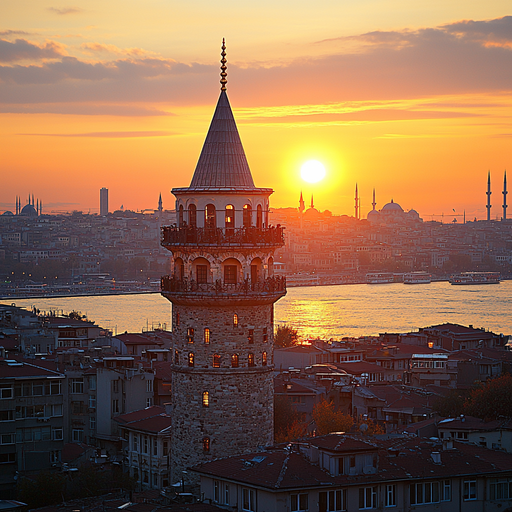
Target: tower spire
(356,205)
(488,195)
(374,204)
(505,196)
(301,203)
(312,204)
(223,67)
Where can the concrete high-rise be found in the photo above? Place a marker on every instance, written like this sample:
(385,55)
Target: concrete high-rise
(103,202)
(223,289)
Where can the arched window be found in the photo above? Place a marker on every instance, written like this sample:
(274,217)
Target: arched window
(176,357)
(234,361)
(206,399)
(177,319)
(247,216)
(206,444)
(210,217)
(250,360)
(264,359)
(190,335)
(230,217)
(265,335)
(180,216)
(192,215)
(206,335)
(179,269)
(235,320)
(216,360)
(259,217)
(191,359)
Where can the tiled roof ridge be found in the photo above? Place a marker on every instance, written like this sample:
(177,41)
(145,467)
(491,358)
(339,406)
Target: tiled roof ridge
(282,473)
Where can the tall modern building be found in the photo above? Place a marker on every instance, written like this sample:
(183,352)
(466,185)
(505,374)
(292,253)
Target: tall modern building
(103,202)
(223,289)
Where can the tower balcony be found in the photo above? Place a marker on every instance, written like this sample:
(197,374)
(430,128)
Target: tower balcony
(266,290)
(192,236)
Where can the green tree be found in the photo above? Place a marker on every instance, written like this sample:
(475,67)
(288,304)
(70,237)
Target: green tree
(285,336)
(45,489)
(491,400)
(329,420)
(287,421)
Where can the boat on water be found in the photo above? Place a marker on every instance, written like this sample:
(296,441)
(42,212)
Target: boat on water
(417,278)
(465,278)
(380,277)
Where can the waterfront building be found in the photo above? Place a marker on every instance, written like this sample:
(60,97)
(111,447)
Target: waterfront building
(223,289)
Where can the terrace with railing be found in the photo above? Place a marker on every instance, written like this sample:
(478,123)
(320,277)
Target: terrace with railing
(271,286)
(251,236)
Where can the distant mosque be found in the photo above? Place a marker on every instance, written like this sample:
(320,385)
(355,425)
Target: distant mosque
(31,209)
(391,213)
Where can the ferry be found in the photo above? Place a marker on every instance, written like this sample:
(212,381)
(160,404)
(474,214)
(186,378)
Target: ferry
(380,277)
(417,278)
(475,278)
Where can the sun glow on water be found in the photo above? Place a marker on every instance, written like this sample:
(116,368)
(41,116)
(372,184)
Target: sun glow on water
(312,171)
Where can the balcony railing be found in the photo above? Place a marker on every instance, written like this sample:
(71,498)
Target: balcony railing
(272,236)
(270,285)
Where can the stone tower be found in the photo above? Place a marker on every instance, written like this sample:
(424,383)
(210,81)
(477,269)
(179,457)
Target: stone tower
(223,289)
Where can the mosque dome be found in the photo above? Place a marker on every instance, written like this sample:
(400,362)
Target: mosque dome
(373,216)
(29,211)
(8,212)
(392,208)
(413,214)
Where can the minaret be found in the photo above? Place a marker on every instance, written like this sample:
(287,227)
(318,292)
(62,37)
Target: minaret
(160,206)
(356,205)
(40,207)
(223,289)
(505,196)
(302,206)
(488,195)
(374,204)
(312,205)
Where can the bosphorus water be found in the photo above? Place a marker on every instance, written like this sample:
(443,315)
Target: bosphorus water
(322,311)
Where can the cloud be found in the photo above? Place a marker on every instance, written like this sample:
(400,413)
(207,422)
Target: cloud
(94,48)
(13,33)
(110,135)
(83,110)
(21,49)
(62,11)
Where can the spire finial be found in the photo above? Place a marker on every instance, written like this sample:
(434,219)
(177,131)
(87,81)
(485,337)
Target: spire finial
(223,67)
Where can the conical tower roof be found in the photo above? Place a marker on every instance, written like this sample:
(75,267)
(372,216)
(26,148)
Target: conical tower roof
(222,163)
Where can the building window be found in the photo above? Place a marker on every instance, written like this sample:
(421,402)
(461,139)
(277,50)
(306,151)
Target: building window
(250,360)
(206,399)
(501,489)
(92,401)
(176,357)
(216,360)
(210,217)
(191,359)
(469,490)
(149,386)
(92,422)
(391,495)
(216,487)
(155,447)
(235,320)
(426,492)
(206,444)
(57,434)
(299,502)
(177,319)
(149,402)
(226,494)
(190,335)
(92,383)
(77,385)
(333,501)
(7,458)
(249,499)
(265,335)
(247,214)
(234,361)
(115,386)
(145,445)
(229,219)
(135,442)
(250,336)
(192,215)
(264,359)
(367,497)
(230,274)
(7,438)
(115,405)
(447,491)
(202,274)
(206,335)
(77,435)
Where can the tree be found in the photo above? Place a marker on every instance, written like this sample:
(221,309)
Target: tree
(285,336)
(328,420)
(451,405)
(287,421)
(370,428)
(491,400)
(45,489)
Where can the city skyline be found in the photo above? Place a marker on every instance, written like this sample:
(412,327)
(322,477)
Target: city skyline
(412,102)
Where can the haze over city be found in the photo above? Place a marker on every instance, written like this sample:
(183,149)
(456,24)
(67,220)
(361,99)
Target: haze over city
(410,99)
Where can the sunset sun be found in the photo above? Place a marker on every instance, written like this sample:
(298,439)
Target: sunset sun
(312,171)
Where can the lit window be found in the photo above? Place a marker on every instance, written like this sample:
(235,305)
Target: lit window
(191,359)
(250,360)
(235,320)
(250,337)
(176,357)
(206,444)
(265,335)
(234,361)
(190,335)
(216,360)
(206,335)
(264,359)
(206,399)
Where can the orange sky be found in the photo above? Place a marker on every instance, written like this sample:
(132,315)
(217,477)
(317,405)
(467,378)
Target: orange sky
(412,100)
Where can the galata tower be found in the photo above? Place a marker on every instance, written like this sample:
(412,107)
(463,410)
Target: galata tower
(223,289)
